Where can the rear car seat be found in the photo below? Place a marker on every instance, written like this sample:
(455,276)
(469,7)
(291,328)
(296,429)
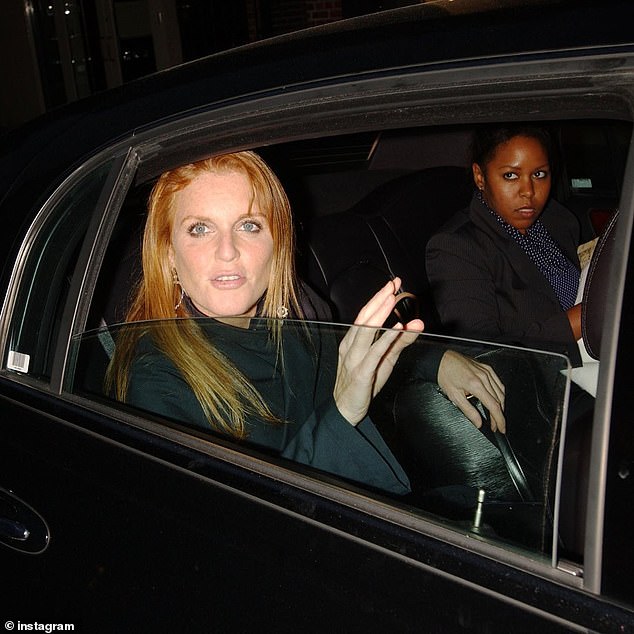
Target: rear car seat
(353,253)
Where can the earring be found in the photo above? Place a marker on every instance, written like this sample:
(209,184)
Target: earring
(177,282)
(180,300)
(282,312)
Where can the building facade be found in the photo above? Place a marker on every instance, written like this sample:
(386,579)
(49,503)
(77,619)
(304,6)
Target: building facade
(59,51)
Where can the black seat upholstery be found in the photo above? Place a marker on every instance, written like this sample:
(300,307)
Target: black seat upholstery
(354,253)
(439,447)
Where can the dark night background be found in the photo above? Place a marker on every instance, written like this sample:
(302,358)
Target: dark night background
(56,51)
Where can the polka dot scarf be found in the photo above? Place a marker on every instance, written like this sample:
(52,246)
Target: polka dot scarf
(540,247)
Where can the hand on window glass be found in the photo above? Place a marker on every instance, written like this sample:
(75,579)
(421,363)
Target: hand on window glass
(365,361)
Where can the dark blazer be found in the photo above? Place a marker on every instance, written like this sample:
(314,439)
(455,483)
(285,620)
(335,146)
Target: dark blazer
(486,287)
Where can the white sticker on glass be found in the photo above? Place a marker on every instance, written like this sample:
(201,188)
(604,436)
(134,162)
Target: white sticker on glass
(18,361)
(582,183)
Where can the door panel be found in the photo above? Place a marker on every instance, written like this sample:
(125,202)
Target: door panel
(140,543)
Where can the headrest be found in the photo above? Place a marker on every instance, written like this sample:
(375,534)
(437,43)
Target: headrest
(595,292)
(434,190)
(355,252)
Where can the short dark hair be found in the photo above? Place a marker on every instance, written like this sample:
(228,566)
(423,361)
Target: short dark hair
(486,139)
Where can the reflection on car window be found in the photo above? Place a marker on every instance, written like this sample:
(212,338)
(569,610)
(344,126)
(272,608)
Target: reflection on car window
(415,443)
(46,276)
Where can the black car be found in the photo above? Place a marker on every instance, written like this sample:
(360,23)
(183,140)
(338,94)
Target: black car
(117,519)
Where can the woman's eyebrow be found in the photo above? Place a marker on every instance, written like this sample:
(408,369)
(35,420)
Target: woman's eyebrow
(259,214)
(205,218)
(192,217)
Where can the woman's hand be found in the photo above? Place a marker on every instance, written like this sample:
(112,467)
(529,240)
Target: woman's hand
(365,361)
(460,377)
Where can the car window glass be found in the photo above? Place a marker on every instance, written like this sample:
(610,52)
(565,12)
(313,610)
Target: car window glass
(46,275)
(447,460)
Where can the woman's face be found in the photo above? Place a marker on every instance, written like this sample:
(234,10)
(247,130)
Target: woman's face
(222,248)
(516,181)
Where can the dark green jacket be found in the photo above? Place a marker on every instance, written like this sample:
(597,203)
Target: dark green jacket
(297,386)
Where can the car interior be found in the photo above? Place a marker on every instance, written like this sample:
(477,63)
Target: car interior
(365,205)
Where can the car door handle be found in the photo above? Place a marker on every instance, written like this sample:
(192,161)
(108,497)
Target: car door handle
(21,526)
(11,529)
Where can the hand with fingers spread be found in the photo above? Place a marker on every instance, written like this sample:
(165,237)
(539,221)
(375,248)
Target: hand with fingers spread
(460,377)
(365,360)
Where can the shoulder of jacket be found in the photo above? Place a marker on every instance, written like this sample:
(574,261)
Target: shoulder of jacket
(461,229)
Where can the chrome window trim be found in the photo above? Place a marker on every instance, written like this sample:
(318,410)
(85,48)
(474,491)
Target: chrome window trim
(590,80)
